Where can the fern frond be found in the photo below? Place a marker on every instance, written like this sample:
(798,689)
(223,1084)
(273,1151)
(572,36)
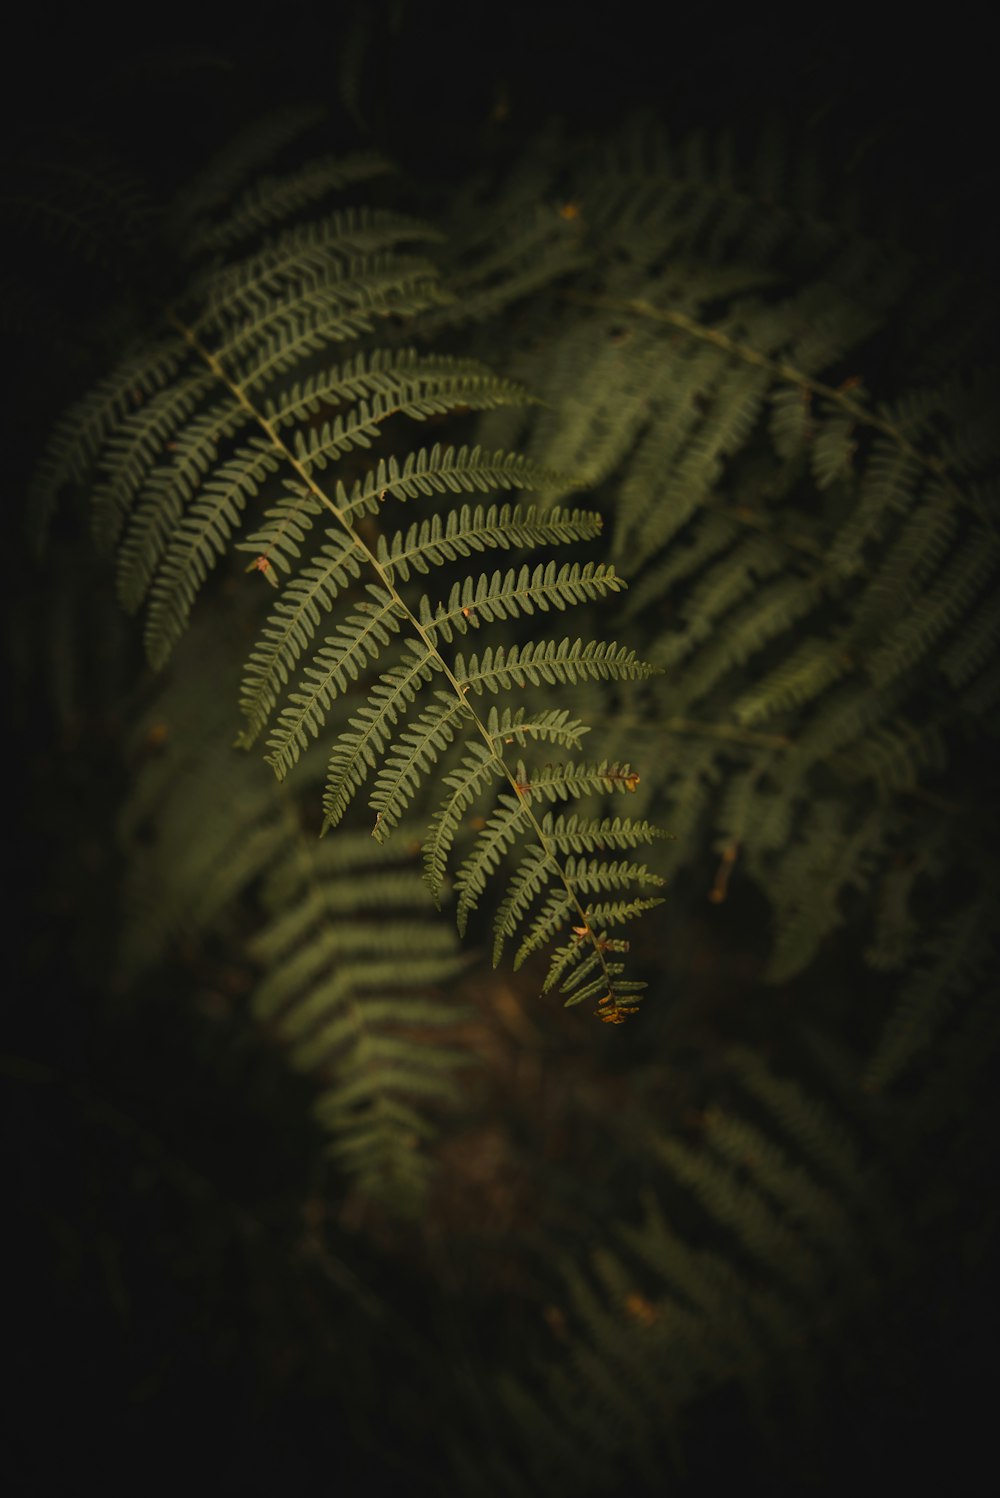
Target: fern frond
(427,392)
(373,372)
(749,629)
(439,470)
(551,921)
(790,424)
(553,724)
(507,255)
(430,543)
(160,503)
(717,591)
(803,676)
(557,914)
(953,594)
(342,310)
(596,876)
(322,256)
(976,646)
(914,554)
(254,329)
(492,844)
(895,755)
(134,450)
(558,782)
(199,541)
(536,868)
(814,1209)
(358,747)
(824,1140)
(951,963)
(413,756)
(478,767)
(832,451)
(842,716)
(828,858)
(575,834)
(513,594)
(357,642)
(896,927)
(353,999)
(551,663)
(296,616)
(760,1229)
(687,557)
(229,168)
(731,407)
(288,523)
(273,199)
(78,436)
(889,487)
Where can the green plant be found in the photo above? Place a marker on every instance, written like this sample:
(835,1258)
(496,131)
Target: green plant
(189,429)
(812,564)
(758,395)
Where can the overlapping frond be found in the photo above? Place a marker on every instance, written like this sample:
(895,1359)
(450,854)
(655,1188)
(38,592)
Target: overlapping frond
(812,561)
(811,550)
(353,984)
(761,1235)
(352,966)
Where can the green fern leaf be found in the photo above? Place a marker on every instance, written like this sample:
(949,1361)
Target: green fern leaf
(291,626)
(358,747)
(272,199)
(554,724)
(439,470)
(82,432)
(550,663)
(135,448)
(279,540)
(477,768)
(431,543)
(198,543)
(495,840)
(512,594)
(327,254)
(414,756)
(159,505)
(358,641)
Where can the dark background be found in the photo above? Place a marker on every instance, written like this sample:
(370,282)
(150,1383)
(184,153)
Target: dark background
(147,1295)
(908,108)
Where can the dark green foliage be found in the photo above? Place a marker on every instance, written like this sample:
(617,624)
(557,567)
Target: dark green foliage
(191,434)
(804,668)
(351,963)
